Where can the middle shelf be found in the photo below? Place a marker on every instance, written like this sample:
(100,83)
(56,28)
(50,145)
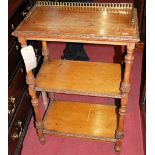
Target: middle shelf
(80,77)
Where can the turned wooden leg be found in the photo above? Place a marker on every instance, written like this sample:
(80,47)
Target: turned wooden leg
(51,96)
(44,96)
(118,146)
(125,88)
(30,81)
(120,129)
(39,124)
(45,51)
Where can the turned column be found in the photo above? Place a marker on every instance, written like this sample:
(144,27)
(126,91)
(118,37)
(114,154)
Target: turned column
(44,97)
(45,100)
(30,82)
(51,97)
(45,51)
(125,88)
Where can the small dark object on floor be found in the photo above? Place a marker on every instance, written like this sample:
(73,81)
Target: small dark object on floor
(74,51)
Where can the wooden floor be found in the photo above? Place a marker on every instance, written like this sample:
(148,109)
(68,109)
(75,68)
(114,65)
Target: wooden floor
(78,77)
(77,119)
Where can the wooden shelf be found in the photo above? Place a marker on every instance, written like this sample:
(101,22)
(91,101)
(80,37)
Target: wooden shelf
(57,23)
(85,120)
(78,77)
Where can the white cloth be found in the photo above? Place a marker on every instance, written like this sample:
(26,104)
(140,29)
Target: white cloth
(29,57)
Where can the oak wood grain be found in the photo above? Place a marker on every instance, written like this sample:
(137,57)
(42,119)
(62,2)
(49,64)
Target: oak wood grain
(85,119)
(56,22)
(77,77)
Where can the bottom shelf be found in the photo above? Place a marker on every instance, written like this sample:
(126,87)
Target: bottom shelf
(85,120)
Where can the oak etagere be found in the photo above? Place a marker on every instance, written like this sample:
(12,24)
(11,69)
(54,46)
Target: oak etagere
(110,23)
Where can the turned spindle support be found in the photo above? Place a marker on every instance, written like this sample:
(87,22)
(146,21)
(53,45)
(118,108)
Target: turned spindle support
(45,101)
(51,96)
(30,82)
(45,51)
(125,89)
(44,97)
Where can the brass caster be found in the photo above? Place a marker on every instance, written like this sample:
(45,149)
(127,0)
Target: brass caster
(42,140)
(117,149)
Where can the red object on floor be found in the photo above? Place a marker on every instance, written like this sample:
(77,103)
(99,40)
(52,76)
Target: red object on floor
(132,143)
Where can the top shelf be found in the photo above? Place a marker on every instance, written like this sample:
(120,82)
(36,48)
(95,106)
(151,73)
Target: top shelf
(82,23)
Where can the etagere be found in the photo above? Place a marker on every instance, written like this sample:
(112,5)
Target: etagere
(94,23)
